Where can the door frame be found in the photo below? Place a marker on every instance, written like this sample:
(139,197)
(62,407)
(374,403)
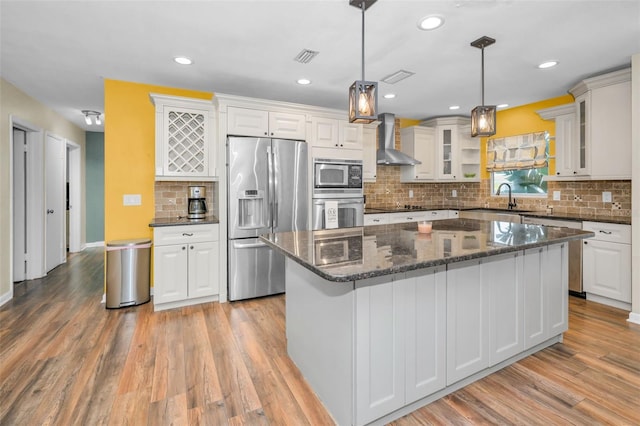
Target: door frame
(74,154)
(35,201)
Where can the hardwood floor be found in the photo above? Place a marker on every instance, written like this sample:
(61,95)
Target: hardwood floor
(65,359)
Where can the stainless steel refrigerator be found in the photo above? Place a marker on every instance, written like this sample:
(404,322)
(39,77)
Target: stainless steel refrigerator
(266,192)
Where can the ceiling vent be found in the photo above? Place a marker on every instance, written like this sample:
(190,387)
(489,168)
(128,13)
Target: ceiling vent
(397,76)
(305,56)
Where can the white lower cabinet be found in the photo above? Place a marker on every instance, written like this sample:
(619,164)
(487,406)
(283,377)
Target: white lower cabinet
(607,263)
(185,265)
(400,341)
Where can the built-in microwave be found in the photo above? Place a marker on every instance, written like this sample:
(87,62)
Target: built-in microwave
(331,176)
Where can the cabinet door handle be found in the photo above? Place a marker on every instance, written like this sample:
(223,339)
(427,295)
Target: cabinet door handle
(585,243)
(265,133)
(409,218)
(605,232)
(191,247)
(376,220)
(186,234)
(184,248)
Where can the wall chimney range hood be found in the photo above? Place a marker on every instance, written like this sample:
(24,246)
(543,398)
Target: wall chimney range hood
(387,155)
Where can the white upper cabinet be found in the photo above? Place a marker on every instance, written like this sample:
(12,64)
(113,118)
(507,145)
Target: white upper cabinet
(259,123)
(369,148)
(593,135)
(333,133)
(445,148)
(185,138)
(418,142)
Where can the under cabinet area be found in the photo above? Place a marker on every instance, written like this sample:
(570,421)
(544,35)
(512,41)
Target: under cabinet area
(185,265)
(259,123)
(185,138)
(607,264)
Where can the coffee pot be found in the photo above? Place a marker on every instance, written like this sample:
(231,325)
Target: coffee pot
(196,204)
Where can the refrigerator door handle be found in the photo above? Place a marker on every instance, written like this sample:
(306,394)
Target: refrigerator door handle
(276,194)
(269,188)
(259,244)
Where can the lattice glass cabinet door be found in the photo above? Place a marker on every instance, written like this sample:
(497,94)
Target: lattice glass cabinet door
(185,147)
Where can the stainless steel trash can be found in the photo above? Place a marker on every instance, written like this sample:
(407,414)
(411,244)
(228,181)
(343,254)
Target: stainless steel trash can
(128,270)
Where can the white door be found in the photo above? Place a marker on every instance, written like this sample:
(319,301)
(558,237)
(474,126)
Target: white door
(203,267)
(55,154)
(19,204)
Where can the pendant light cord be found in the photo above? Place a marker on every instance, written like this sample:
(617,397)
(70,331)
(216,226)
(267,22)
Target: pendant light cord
(482,74)
(363,9)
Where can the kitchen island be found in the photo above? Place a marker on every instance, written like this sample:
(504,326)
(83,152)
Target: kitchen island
(382,320)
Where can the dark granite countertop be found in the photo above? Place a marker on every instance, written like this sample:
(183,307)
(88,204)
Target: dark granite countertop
(182,220)
(349,254)
(623,220)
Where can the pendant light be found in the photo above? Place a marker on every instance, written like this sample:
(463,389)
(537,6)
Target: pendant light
(483,117)
(363,95)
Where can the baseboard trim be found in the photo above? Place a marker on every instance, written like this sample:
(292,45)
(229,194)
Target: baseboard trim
(6,297)
(634,318)
(94,244)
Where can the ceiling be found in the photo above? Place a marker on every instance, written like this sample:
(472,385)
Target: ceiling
(59,52)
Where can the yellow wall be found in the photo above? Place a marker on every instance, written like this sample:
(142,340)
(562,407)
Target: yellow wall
(14,102)
(523,119)
(129,155)
(408,122)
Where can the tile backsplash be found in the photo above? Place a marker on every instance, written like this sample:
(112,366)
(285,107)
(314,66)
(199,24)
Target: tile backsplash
(577,197)
(171,197)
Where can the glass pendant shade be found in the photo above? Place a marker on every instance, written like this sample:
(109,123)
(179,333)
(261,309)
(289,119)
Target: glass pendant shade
(363,101)
(483,120)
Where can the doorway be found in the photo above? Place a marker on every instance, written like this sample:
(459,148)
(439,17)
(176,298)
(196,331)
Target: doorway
(55,184)
(74,197)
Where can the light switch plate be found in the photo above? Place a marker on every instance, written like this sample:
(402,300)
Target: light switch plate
(411,193)
(132,199)
(556,195)
(606,197)
(454,193)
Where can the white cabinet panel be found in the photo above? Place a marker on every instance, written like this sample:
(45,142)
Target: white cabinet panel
(607,269)
(376,219)
(379,350)
(468,321)
(504,275)
(369,148)
(534,294)
(425,333)
(556,284)
(203,269)
(259,123)
(170,273)
(418,142)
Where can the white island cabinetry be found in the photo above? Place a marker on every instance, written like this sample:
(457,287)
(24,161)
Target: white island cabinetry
(378,348)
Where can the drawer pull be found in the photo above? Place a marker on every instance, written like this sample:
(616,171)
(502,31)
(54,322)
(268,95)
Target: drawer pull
(184,248)
(605,232)
(187,234)
(409,218)
(376,220)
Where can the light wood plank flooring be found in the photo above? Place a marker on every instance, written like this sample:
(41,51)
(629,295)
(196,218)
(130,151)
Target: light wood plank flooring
(64,360)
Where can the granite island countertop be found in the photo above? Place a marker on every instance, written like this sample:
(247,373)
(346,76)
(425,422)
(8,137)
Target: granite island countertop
(348,254)
(182,220)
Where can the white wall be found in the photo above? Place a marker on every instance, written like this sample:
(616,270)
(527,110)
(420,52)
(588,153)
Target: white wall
(18,104)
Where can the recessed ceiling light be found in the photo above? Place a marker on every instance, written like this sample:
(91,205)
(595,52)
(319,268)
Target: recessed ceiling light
(430,22)
(548,64)
(183,60)
(502,106)
(453,107)
(390,96)
(304,81)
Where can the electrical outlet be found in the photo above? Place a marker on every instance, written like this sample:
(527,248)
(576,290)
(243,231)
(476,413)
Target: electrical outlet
(556,195)
(131,199)
(606,197)
(411,193)
(454,193)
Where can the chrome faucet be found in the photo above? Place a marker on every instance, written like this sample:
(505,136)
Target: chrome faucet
(512,203)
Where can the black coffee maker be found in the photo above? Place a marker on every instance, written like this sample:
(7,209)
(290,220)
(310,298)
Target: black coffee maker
(196,205)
